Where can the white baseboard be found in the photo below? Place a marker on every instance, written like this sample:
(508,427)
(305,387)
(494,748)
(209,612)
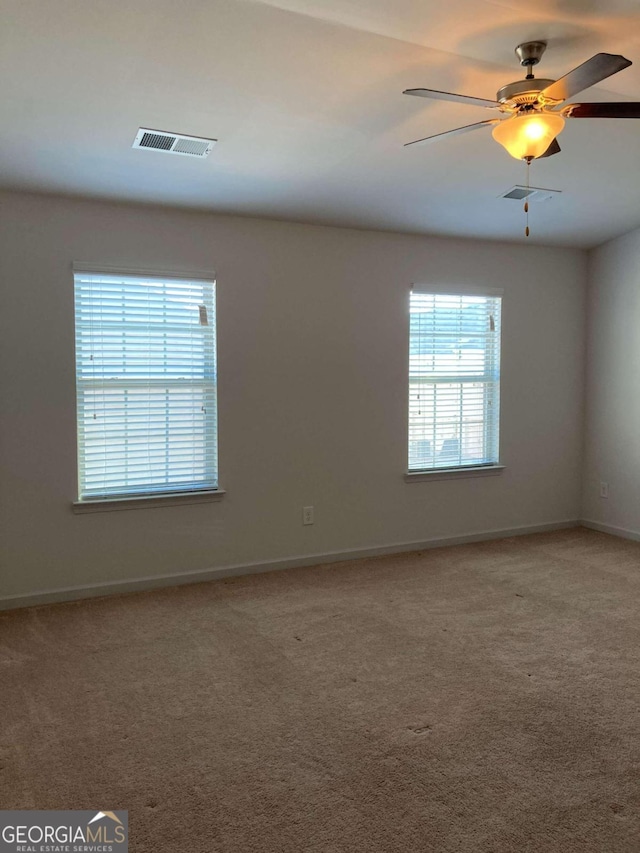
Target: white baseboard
(11,602)
(622,532)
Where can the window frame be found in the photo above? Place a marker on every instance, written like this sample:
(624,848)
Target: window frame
(464,470)
(147,498)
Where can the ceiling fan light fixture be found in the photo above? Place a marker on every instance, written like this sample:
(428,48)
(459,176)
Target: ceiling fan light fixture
(528,135)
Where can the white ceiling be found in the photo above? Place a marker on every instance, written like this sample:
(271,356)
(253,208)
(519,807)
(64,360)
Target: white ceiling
(305,98)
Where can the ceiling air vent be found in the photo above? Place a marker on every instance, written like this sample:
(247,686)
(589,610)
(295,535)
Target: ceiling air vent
(173,143)
(530,193)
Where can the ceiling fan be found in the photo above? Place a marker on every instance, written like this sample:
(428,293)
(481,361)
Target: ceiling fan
(534,115)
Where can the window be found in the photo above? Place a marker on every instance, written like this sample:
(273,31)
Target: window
(146,385)
(454,379)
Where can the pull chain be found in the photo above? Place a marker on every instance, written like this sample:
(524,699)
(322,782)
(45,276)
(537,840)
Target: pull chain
(526,201)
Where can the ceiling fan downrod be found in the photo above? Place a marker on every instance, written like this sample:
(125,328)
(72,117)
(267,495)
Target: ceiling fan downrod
(530,53)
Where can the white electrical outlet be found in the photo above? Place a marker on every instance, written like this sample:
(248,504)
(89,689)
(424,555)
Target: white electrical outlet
(307,515)
(604,490)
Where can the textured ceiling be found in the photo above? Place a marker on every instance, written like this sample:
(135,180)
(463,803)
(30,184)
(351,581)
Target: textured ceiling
(305,98)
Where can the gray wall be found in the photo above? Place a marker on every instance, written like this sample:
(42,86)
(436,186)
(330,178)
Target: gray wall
(313,327)
(612,443)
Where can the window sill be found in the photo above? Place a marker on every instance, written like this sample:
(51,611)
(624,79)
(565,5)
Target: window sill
(147,501)
(453,473)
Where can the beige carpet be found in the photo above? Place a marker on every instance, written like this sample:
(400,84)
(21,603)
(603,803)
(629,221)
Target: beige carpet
(478,698)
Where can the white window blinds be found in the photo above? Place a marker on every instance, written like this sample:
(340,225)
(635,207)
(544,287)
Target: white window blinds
(146,385)
(454,379)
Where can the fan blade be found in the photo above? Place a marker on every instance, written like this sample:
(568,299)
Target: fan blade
(598,68)
(450,96)
(554,148)
(624,109)
(458,130)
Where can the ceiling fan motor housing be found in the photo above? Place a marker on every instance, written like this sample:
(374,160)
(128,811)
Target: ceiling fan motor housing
(522,92)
